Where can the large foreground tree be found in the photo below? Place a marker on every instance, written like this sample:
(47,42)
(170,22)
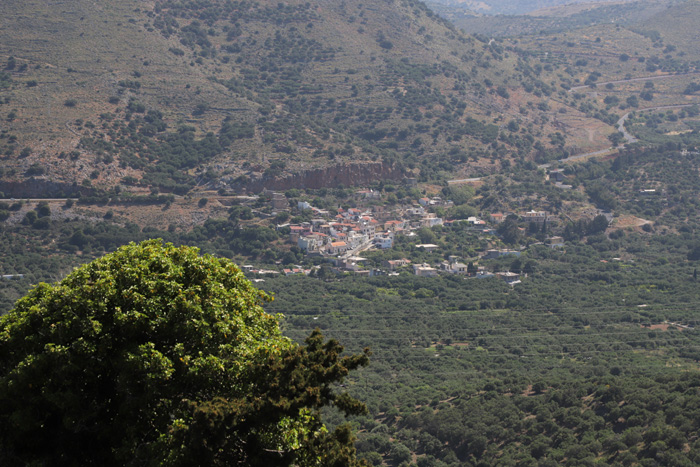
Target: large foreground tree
(155,355)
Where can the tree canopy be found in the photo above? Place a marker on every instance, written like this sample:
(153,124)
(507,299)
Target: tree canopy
(154,354)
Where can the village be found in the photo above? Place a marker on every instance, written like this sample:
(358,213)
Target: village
(340,236)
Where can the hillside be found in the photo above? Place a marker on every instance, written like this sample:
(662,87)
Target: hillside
(516,7)
(552,19)
(169,96)
(677,26)
(612,70)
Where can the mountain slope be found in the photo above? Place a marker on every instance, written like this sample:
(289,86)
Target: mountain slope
(554,19)
(170,95)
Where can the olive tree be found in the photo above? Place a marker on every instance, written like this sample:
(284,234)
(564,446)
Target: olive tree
(154,354)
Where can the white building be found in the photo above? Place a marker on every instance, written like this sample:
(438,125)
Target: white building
(384,240)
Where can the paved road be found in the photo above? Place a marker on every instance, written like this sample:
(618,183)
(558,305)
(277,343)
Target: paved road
(621,122)
(580,156)
(629,138)
(621,128)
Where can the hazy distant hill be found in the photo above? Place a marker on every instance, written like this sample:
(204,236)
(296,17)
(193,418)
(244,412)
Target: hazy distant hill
(677,25)
(514,7)
(169,94)
(552,19)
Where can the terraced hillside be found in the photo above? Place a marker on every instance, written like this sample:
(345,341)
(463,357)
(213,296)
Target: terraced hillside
(614,71)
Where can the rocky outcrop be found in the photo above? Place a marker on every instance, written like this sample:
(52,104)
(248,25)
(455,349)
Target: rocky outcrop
(357,174)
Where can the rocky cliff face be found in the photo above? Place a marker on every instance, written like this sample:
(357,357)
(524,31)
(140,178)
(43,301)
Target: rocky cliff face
(358,174)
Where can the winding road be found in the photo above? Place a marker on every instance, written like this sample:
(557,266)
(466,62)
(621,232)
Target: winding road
(621,122)
(629,138)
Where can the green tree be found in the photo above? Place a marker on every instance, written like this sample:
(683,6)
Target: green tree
(155,355)
(426,235)
(460,194)
(509,230)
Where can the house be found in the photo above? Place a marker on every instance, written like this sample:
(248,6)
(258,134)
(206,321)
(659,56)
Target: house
(424,270)
(648,192)
(510,278)
(424,201)
(428,246)
(303,205)
(393,226)
(369,194)
(319,212)
(298,229)
(354,213)
(311,242)
(415,211)
(384,241)
(279,201)
(337,248)
(324,229)
(537,217)
(351,264)
(265,272)
(394,264)
(557,175)
(431,221)
(455,267)
(368,228)
(355,239)
(497,217)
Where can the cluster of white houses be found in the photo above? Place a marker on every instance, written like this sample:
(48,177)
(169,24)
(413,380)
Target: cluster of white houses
(346,232)
(354,230)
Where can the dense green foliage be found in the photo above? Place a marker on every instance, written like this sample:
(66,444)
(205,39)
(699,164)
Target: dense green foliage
(155,355)
(567,367)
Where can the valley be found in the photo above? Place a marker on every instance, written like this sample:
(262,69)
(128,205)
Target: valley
(501,202)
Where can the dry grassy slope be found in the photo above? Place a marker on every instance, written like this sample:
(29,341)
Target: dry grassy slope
(678,25)
(668,40)
(82,50)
